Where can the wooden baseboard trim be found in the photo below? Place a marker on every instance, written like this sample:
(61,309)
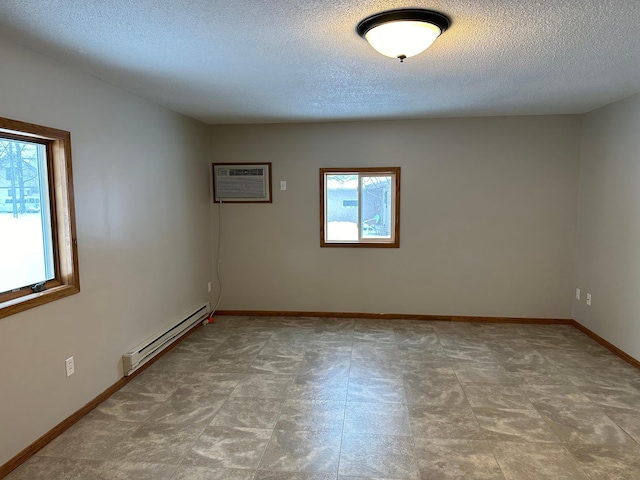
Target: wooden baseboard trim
(36,446)
(622,354)
(396,316)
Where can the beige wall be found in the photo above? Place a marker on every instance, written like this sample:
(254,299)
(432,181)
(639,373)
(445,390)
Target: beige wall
(142,208)
(608,247)
(489,209)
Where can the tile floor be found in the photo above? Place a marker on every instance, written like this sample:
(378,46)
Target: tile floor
(339,399)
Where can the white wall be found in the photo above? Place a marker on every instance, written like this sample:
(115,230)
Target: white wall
(488,209)
(142,206)
(608,247)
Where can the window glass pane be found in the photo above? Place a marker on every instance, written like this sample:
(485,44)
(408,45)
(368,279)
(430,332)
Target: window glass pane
(376,206)
(341,207)
(25,225)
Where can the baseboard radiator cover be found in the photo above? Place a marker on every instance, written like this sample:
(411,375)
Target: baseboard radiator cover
(149,348)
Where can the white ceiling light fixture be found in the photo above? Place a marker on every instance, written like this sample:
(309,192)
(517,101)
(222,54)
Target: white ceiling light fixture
(403,33)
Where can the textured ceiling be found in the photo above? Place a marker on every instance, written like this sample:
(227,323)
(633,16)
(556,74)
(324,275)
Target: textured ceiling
(283,60)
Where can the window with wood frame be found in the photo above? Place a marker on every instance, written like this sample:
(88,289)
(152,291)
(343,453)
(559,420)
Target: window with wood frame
(38,247)
(360,207)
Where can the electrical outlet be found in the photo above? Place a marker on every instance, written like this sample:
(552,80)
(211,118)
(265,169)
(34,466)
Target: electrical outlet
(577,294)
(209,287)
(589,299)
(70,366)
(283,185)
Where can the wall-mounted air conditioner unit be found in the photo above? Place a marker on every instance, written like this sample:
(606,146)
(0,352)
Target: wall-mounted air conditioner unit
(242,182)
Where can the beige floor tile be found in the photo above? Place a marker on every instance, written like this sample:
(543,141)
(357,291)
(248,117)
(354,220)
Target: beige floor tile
(514,426)
(378,456)
(377,418)
(537,461)
(606,462)
(311,416)
(228,447)
(584,425)
(299,398)
(316,452)
(448,422)
(260,413)
(456,459)
(496,396)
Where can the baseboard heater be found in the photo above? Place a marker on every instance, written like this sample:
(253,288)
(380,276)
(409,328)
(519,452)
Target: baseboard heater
(145,351)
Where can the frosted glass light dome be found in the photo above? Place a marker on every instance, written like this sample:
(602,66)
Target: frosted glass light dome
(403,33)
(402,39)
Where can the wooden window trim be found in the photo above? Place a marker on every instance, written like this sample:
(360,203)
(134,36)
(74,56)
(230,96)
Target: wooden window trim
(66,280)
(396,212)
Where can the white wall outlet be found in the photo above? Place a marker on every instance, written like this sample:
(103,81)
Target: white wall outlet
(209,287)
(283,185)
(577,294)
(70,366)
(589,299)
